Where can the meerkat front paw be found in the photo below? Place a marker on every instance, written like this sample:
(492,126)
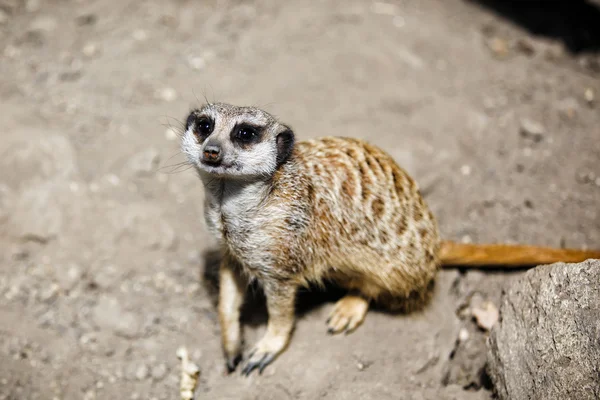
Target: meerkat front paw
(347,314)
(263,354)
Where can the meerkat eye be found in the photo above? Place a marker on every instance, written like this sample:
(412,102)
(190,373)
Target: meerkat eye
(204,126)
(246,133)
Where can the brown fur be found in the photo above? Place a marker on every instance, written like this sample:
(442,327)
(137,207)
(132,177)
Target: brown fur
(338,209)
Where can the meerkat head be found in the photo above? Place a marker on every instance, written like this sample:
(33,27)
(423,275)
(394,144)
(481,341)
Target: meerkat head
(235,142)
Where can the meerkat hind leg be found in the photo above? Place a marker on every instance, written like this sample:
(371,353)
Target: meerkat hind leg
(347,314)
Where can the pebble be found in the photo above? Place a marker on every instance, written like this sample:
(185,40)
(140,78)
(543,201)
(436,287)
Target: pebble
(68,277)
(159,371)
(498,46)
(531,129)
(141,372)
(466,239)
(49,293)
(140,35)
(463,335)
(589,95)
(486,316)
(465,170)
(113,179)
(597,181)
(90,50)
(525,46)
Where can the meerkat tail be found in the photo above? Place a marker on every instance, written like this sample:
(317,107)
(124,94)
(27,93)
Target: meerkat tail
(454,254)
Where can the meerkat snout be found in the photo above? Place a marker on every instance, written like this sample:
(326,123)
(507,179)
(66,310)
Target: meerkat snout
(212,154)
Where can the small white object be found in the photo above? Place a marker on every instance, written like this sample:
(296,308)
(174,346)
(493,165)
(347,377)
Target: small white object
(589,95)
(487,316)
(140,35)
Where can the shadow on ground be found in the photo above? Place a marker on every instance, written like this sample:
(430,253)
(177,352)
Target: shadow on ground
(576,23)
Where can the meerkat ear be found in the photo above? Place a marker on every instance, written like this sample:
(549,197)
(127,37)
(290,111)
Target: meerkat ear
(285,145)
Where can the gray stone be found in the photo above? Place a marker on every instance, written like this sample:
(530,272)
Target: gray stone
(532,130)
(546,343)
(67,276)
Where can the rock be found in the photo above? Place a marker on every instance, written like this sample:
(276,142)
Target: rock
(141,372)
(531,129)
(108,314)
(546,343)
(525,46)
(144,163)
(90,50)
(589,95)
(498,46)
(67,276)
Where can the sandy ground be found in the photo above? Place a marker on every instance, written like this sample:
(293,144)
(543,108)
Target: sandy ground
(103,252)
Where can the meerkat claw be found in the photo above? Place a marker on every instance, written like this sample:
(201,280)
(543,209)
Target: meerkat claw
(260,363)
(232,363)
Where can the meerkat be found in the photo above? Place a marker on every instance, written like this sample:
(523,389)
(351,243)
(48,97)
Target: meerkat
(290,213)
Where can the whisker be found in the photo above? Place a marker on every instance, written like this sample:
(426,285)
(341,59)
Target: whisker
(179,169)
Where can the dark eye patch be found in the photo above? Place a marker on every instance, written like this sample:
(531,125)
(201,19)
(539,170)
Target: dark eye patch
(246,135)
(202,125)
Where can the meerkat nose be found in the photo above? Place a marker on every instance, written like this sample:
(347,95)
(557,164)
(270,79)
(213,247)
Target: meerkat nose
(212,154)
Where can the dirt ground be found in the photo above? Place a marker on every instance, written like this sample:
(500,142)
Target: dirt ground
(106,268)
